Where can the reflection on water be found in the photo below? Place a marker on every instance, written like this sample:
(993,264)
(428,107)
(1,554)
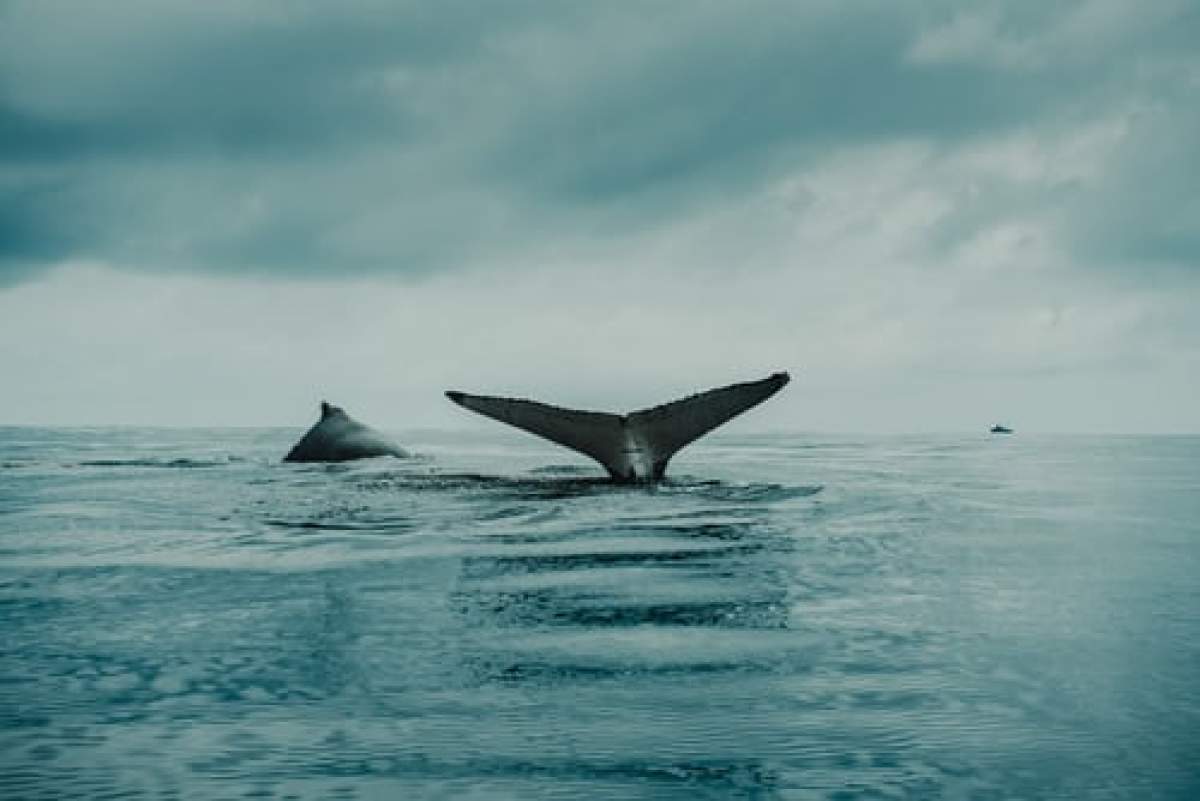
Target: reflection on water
(796,618)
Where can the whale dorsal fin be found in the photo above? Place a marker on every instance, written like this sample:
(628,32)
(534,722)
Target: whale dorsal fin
(634,446)
(329,410)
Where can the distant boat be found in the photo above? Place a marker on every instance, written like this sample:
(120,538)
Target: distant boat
(999,429)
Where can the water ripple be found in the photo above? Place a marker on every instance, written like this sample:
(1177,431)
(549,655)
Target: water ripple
(793,617)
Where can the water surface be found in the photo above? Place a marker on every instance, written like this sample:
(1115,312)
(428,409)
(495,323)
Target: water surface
(796,616)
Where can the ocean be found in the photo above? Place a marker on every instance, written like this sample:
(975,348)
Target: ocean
(798,616)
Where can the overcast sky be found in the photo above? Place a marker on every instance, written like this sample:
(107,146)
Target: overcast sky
(935,215)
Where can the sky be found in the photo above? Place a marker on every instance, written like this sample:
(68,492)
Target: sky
(935,215)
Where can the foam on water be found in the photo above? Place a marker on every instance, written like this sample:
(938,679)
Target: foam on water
(795,617)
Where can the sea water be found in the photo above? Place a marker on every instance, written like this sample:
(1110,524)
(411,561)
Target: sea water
(793,616)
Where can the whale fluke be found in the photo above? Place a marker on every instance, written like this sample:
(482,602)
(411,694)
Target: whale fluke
(632,447)
(337,437)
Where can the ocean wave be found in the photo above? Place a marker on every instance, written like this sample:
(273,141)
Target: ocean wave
(176,463)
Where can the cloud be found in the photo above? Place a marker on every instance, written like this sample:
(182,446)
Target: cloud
(872,342)
(924,211)
(222,137)
(371,138)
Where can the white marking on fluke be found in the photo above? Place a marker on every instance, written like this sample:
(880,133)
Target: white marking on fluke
(635,446)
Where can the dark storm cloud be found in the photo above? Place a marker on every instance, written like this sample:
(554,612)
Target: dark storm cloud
(305,139)
(724,99)
(241,80)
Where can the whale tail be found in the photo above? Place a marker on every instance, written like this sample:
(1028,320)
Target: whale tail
(635,446)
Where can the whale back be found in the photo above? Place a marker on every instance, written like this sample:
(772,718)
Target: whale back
(631,447)
(337,437)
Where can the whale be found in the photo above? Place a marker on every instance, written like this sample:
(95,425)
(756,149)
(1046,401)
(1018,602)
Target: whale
(338,437)
(632,447)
